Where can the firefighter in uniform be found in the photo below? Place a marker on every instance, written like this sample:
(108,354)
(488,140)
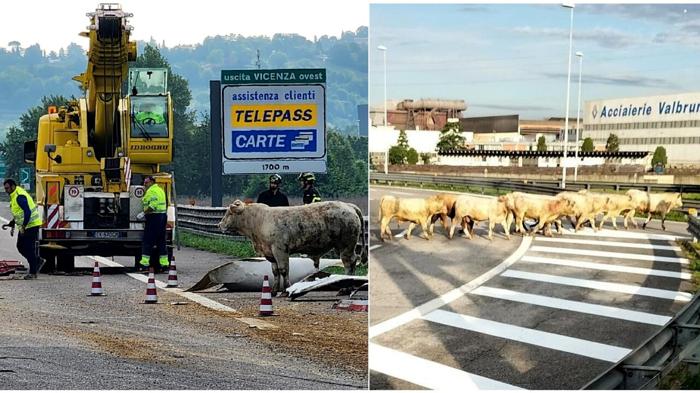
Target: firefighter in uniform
(25,215)
(307,180)
(274,196)
(154,210)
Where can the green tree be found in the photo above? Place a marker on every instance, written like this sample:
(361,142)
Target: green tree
(12,149)
(451,137)
(425,157)
(541,144)
(587,145)
(397,155)
(402,141)
(613,143)
(659,156)
(412,156)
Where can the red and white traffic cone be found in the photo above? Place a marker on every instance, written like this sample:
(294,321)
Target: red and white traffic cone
(151,294)
(266,298)
(96,281)
(172,274)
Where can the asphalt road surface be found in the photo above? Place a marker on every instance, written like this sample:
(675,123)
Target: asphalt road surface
(54,336)
(532,313)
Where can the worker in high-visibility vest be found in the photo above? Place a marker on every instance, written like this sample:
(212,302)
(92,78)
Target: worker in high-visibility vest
(154,211)
(25,215)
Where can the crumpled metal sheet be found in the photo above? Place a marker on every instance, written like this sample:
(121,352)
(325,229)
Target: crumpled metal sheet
(246,275)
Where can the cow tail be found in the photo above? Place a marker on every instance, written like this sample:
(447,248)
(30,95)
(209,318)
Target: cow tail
(362,233)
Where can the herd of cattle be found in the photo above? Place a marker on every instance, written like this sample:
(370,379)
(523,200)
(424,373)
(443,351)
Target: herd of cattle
(580,207)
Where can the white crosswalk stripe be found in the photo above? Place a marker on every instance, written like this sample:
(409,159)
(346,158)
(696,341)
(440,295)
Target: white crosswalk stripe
(601,285)
(608,267)
(426,373)
(619,255)
(607,243)
(558,342)
(563,304)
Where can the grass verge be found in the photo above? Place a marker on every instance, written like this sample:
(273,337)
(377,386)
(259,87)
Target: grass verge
(240,249)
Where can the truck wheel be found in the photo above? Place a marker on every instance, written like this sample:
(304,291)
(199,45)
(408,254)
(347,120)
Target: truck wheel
(50,264)
(65,263)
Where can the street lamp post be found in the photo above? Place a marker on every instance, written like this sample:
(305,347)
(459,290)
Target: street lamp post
(578,111)
(383,49)
(568,83)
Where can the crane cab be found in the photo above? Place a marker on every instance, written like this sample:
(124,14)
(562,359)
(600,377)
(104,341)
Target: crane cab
(149,121)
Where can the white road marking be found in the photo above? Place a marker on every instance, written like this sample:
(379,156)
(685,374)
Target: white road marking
(608,267)
(204,301)
(427,373)
(621,234)
(607,254)
(563,304)
(401,233)
(5,220)
(374,247)
(450,296)
(539,338)
(606,243)
(601,285)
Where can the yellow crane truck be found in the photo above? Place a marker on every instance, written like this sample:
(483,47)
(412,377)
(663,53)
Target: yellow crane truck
(92,154)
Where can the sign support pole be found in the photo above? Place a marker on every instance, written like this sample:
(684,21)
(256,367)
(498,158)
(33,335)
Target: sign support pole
(216,143)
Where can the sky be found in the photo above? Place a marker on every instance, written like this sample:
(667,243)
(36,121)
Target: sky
(512,58)
(56,24)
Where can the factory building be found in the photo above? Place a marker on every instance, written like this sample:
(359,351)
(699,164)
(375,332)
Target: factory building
(643,123)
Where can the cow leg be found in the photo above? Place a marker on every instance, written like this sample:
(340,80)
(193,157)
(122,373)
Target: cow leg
(433,220)
(453,225)
(591,218)
(613,218)
(506,226)
(425,228)
(384,229)
(605,217)
(275,281)
(443,218)
(663,219)
(407,235)
(492,223)
(630,215)
(349,259)
(644,226)
(282,280)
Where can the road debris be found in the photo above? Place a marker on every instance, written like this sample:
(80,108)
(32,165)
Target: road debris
(322,281)
(246,275)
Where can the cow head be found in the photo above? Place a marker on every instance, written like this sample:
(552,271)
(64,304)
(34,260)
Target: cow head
(677,201)
(228,223)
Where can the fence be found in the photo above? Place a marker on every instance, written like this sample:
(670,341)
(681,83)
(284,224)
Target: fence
(535,187)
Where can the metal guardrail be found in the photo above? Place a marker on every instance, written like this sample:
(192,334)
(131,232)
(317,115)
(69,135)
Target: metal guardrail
(546,187)
(678,342)
(694,227)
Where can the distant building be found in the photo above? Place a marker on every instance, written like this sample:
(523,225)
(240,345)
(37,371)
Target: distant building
(643,123)
(421,114)
(512,129)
